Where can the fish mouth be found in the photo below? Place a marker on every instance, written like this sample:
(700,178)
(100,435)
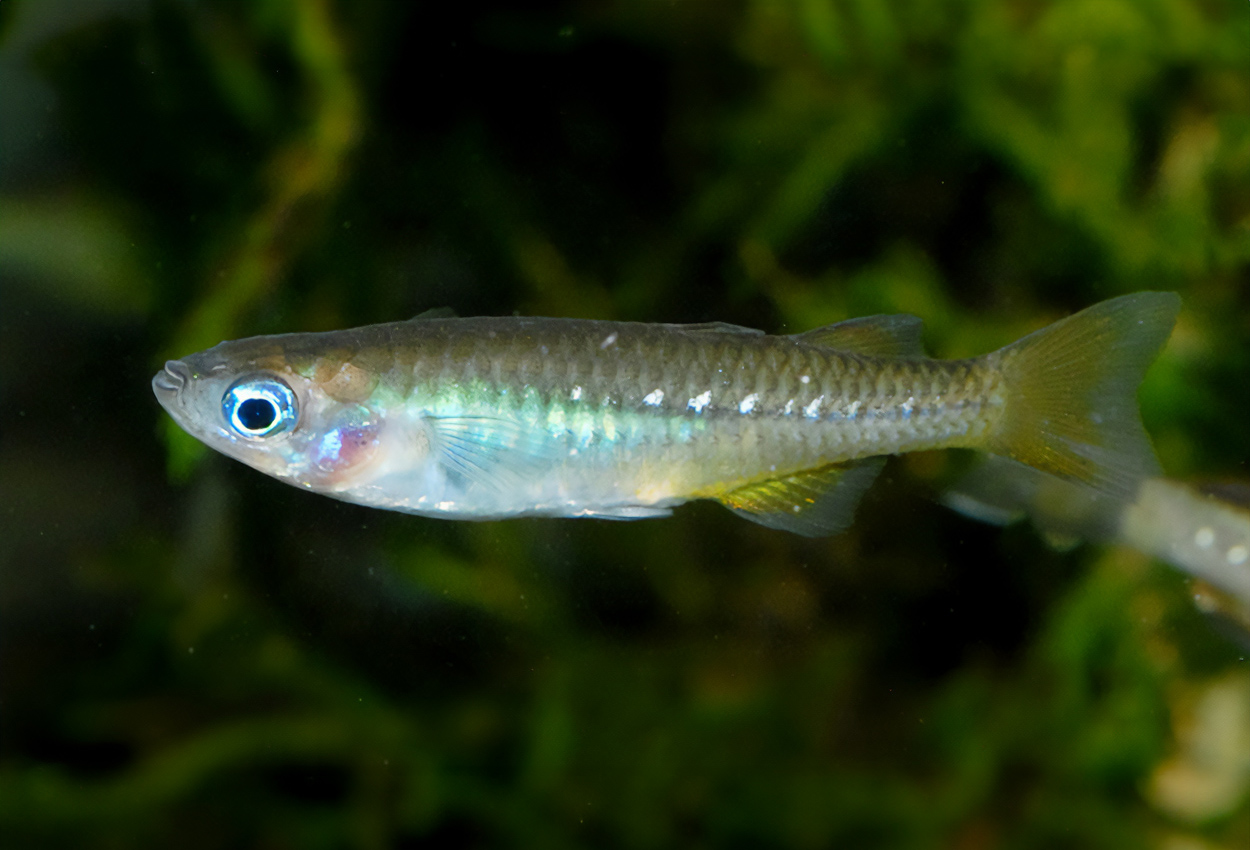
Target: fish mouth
(168,382)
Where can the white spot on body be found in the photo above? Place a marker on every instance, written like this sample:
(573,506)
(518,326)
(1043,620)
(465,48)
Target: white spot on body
(700,401)
(812,411)
(803,379)
(748,403)
(608,340)
(576,394)
(1238,555)
(1204,538)
(654,398)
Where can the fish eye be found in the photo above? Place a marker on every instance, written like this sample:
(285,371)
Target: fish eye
(258,406)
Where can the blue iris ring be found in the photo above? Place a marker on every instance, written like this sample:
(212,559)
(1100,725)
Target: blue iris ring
(259,406)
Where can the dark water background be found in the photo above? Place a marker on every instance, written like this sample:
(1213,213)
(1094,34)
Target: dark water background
(192,655)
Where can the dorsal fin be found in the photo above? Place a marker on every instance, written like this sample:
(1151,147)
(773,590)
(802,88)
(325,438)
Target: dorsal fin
(435,313)
(720,328)
(814,503)
(895,335)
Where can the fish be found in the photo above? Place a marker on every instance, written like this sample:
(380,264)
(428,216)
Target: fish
(1201,530)
(493,417)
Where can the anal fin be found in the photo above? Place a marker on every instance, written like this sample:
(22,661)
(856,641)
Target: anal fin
(814,503)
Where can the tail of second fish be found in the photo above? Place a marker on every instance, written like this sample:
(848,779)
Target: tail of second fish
(1071,392)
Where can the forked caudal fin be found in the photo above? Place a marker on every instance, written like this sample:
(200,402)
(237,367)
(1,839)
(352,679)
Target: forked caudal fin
(1071,392)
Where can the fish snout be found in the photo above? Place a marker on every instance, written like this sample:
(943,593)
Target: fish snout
(169,381)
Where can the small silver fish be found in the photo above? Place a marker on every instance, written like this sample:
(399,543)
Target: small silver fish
(484,418)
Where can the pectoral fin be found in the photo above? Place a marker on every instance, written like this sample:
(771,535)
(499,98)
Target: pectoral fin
(488,451)
(815,503)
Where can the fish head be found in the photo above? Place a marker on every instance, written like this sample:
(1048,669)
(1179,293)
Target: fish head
(307,420)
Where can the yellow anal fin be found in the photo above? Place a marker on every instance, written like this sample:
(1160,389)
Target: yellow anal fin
(814,503)
(876,336)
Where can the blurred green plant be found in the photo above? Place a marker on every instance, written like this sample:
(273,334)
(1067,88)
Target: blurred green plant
(224,661)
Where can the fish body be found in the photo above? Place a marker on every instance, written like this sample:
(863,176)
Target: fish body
(482,418)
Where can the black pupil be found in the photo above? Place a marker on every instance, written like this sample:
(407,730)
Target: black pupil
(257,414)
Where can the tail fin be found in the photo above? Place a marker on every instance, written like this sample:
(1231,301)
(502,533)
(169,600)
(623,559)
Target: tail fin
(1071,406)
